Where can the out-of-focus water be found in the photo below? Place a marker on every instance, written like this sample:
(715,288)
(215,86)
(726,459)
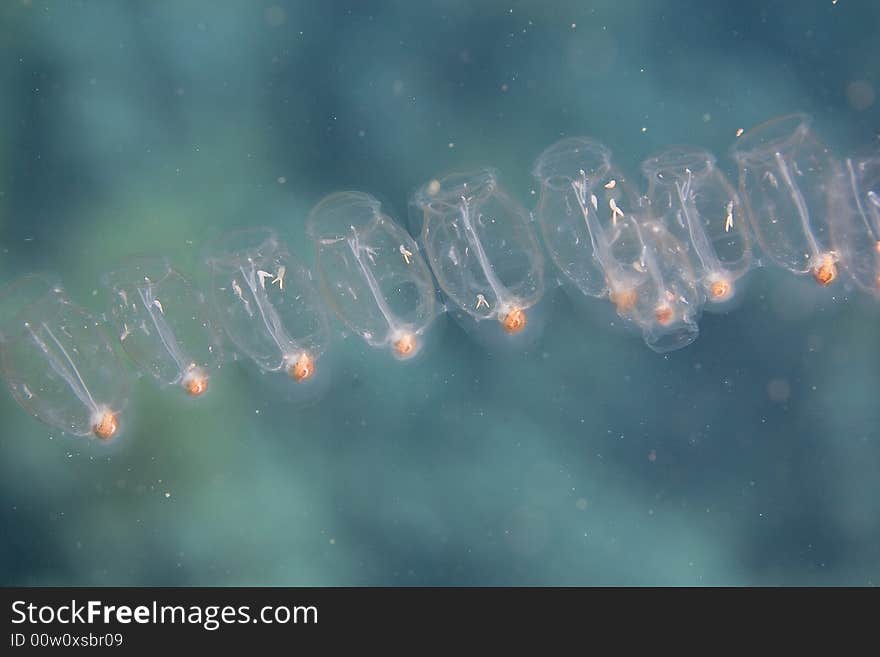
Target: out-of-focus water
(750,457)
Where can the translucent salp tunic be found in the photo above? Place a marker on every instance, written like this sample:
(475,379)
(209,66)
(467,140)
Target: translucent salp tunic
(372,273)
(786,180)
(163,323)
(700,207)
(267,303)
(59,362)
(585,213)
(481,247)
(856,232)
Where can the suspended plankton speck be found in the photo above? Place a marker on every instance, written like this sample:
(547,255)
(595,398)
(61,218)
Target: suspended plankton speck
(406,253)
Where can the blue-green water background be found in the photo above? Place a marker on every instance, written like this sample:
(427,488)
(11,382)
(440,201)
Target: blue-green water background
(143,127)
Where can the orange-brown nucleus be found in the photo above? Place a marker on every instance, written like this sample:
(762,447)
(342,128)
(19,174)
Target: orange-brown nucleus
(106,426)
(826,271)
(720,290)
(514,321)
(625,300)
(663,315)
(302,369)
(195,385)
(406,345)
(877,246)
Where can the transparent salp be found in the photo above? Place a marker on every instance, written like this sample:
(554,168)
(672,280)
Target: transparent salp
(586,215)
(371,273)
(481,247)
(786,180)
(59,363)
(163,323)
(697,204)
(856,232)
(668,301)
(267,303)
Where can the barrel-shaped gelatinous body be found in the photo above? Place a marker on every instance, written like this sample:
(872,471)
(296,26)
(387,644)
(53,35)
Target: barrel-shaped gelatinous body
(60,366)
(371,272)
(481,247)
(267,303)
(163,323)
(698,205)
(586,213)
(668,300)
(786,181)
(856,232)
